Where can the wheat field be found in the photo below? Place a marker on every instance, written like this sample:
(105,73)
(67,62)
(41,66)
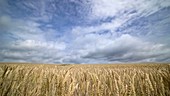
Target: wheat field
(84,80)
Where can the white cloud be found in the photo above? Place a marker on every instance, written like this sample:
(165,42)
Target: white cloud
(94,48)
(125,49)
(104,8)
(31,44)
(34,51)
(111,26)
(85,44)
(40,44)
(120,10)
(25,29)
(109,8)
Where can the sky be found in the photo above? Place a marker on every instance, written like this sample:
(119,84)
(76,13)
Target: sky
(84,31)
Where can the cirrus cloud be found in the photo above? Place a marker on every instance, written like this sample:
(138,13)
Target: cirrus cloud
(71,31)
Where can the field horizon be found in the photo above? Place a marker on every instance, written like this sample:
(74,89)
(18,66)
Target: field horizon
(86,63)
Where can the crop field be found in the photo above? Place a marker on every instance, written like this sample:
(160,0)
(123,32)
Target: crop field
(84,80)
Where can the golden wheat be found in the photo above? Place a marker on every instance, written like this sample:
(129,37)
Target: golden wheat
(85,80)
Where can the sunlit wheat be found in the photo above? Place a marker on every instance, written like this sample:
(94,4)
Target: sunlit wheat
(84,80)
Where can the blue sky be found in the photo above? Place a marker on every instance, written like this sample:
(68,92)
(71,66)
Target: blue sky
(84,31)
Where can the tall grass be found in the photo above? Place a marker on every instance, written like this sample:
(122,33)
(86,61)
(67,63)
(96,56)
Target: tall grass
(84,80)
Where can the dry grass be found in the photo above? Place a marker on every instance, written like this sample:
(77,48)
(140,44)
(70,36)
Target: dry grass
(84,80)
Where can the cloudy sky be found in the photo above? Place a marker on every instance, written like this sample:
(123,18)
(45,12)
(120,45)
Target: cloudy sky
(84,31)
